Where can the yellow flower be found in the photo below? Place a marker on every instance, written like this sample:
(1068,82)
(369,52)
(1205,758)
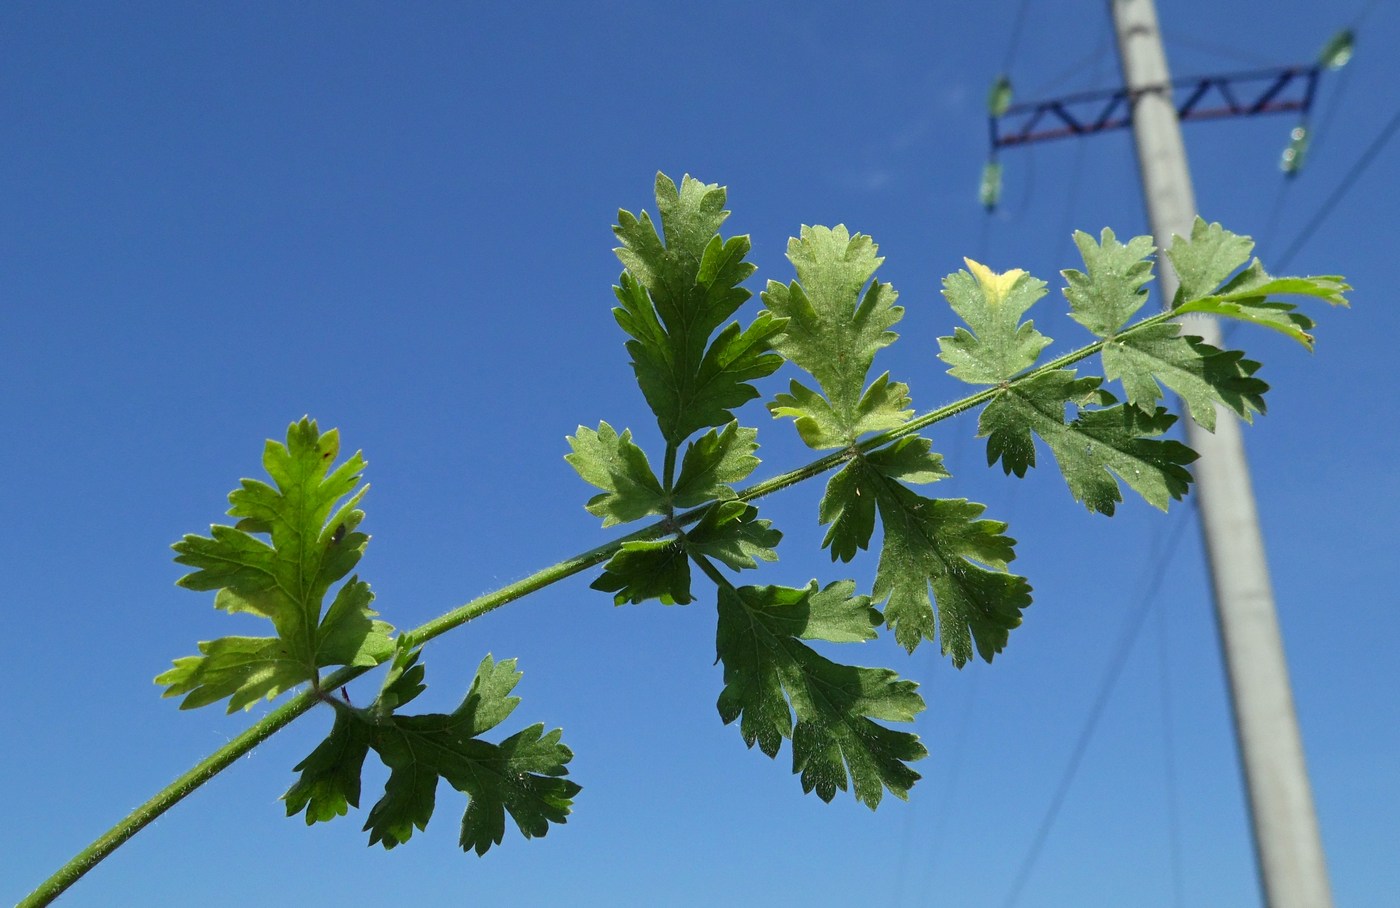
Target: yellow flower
(995,286)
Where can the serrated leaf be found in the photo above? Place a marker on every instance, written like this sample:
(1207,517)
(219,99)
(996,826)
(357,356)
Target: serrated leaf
(1247,297)
(647,569)
(770,676)
(680,285)
(819,426)
(1281,317)
(847,509)
(941,544)
(1199,372)
(1205,260)
(615,464)
(732,532)
(835,322)
(1094,448)
(848,504)
(1255,283)
(884,405)
(312,543)
(911,459)
(243,669)
(521,776)
(1114,287)
(999,345)
(330,775)
(714,461)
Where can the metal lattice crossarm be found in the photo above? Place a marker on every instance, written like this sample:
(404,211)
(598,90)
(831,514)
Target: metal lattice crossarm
(1279,90)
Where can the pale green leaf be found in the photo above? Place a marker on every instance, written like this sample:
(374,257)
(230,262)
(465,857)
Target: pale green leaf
(681,284)
(615,464)
(1000,344)
(837,317)
(732,532)
(1114,287)
(1204,261)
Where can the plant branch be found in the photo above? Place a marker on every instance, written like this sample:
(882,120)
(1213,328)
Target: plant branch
(279,718)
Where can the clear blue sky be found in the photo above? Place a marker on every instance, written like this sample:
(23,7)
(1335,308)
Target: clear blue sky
(219,217)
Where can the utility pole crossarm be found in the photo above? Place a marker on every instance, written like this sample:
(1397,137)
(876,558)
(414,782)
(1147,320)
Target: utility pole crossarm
(1246,94)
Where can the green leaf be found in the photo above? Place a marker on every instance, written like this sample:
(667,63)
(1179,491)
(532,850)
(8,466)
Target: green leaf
(1204,261)
(647,569)
(713,462)
(941,543)
(243,669)
(835,322)
(1281,317)
(884,405)
(848,504)
(847,509)
(731,532)
(770,676)
(1097,446)
(1213,254)
(999,345)
(1115,286)
(1247,297)
(521,776)
(674,294)
(1200,373)
(330,775)
(616,465)
(313,543)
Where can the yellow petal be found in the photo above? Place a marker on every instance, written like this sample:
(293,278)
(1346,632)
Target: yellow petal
(995,286)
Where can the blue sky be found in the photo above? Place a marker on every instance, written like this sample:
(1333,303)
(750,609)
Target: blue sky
(218,218)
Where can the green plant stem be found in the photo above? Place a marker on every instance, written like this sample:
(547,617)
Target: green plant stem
(279,718)
(669,471)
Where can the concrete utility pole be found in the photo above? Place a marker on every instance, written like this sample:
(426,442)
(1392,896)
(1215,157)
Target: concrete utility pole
(1286,839)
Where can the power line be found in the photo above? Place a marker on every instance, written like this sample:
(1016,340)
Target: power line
(1132,626)
(1015,36)
(1343,187)
(1169,760)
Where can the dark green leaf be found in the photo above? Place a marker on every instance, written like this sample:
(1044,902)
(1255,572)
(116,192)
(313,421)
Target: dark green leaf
(1092,449)
(940,543)
(647,569)
(330,774)
(770,675)
(521,776)
(676,292)
(849,502)
(1200,373)
(713,462)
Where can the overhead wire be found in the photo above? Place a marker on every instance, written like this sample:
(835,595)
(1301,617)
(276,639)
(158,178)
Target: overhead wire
(1352,175)
(1132,626)
(1174,857)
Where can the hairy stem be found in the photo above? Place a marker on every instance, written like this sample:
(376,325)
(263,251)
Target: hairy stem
(279,718)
